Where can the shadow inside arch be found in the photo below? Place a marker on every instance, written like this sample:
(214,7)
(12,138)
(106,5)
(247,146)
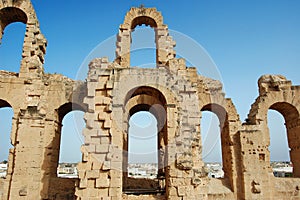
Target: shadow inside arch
(68,107)
(4,104)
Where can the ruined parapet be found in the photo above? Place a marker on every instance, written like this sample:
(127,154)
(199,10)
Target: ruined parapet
(267,83)
(272,89)
(34,47)
(151,17)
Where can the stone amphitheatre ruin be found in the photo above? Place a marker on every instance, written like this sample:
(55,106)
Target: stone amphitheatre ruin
(175,94)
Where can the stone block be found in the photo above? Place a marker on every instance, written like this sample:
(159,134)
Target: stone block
(83,183)
(106,165)
(103,181)
(92,174)
(181,190)
(102,148)
(114,192)
(105,140)
(116,182)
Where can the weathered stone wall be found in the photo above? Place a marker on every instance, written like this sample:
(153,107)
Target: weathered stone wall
(175,94)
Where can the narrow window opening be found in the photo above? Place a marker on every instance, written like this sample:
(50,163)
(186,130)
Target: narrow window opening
(6,115)
(211,143)
(143,47)
(142,154)
(11,47)
(71,141)
(279,149)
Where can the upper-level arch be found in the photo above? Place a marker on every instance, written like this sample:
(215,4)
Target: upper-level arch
(141,15)
(10,15)
(276,93)
(34,46)
(148,16)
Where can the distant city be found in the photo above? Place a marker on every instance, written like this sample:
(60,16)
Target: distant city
(149,170)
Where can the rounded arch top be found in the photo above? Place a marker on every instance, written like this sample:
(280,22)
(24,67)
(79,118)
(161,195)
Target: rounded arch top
(138,16)
(217,109)
(10,15)
(288,111)
(34,45)
(4,104)
(149,99)
(64,109)
(146,90)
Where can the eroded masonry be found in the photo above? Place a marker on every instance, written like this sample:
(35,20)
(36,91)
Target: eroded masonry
(174,93)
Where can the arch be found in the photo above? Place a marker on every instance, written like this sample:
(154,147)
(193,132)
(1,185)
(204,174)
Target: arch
(71,128)
(10,15)
(226,140)
(148,21)
(148,16)
(288,111)
(143,52)
(292,123)
(4,104)
(142,142)
(149,99)
(57,182)
(142,15)
(146,90)
(68,107)
(278,148)
(218,110)
(34,46)
(62,111)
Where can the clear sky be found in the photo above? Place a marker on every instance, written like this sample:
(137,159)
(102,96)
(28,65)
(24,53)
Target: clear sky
(245,39)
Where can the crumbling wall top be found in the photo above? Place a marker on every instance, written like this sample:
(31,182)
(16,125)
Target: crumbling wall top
(269,82)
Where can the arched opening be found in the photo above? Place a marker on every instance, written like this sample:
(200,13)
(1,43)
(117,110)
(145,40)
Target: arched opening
(70,143)
(146,127)
(6,116)
(65,148)
(13,25)
(143,47)
(142,149)
(70,139)
(225,141)
(143,20)
(142,141)
(211,143)
(284,142)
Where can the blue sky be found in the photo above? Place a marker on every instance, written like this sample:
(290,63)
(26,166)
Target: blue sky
(245,39)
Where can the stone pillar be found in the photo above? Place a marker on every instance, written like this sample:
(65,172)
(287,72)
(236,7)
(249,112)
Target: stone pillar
(164,46)
(123,48)
(257,173)
(293,129)
(100,169)
(34,49)
(51,157)
(26,182)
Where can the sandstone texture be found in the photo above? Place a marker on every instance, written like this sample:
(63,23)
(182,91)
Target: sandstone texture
(174,93)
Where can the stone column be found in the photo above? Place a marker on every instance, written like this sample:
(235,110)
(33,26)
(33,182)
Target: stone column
(26,182)
(34,49)
(51,156)
(123,48)
(293,129)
